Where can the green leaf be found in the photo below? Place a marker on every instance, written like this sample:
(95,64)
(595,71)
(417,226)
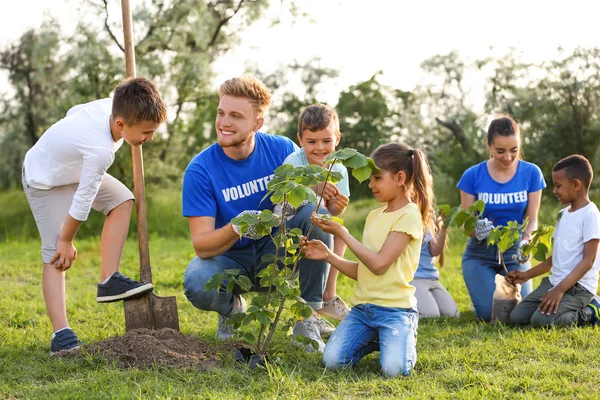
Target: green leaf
(356,161)
(338,220)
(244,282)
(444,209)
(296,196)
(215,282)
(263,318)
(361,174)
(306,311)
(461,217)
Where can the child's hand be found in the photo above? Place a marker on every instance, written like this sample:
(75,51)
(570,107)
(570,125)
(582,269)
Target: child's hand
(329,190)
(514,277)
(339,203)
(550,301)
(327,225)
(65,254)
(314,249)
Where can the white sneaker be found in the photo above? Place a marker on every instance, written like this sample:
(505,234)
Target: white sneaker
(309,328)
(326,328)
(334,308)
(225,331)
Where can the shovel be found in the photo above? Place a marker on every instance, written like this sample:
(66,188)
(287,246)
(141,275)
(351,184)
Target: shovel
(150,311)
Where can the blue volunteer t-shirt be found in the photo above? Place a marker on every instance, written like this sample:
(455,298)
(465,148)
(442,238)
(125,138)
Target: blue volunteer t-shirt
(503,201)
(215,185)
(298,158)
(426,268)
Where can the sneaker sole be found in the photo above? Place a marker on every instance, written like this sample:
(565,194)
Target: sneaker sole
(133,293)
(330,315)
(53,353)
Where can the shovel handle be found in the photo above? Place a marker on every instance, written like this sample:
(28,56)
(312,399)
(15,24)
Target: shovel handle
(137,159)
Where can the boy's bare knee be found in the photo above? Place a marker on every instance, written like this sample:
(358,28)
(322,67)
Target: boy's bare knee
(126,207)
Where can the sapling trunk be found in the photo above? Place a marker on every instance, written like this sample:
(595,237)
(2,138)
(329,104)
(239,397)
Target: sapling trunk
(321,197)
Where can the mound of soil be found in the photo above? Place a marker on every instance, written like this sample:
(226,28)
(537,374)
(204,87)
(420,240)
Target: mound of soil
(145,348)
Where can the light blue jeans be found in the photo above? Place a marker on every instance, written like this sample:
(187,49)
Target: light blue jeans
(368,328)
(312,274)
(480,266)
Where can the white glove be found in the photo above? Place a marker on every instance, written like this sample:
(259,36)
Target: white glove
(251,231)
(483,228)
(520,257)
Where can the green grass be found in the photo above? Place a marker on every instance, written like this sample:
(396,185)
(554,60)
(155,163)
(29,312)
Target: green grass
(456,358)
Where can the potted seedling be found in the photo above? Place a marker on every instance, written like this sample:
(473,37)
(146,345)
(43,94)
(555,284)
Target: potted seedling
(279,279)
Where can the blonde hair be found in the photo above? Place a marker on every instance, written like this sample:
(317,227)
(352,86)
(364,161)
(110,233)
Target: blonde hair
(317,117)
(250,87)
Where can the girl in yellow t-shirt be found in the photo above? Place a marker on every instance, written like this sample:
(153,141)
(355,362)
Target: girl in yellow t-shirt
(384,316)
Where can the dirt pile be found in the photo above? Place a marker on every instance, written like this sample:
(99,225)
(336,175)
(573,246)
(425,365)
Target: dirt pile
(144,348)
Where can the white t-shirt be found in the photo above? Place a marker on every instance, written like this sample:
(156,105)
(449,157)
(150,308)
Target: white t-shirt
(572,231)
(77,149)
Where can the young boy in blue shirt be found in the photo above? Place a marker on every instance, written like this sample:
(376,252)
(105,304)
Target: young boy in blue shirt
(564,297)
(318,135)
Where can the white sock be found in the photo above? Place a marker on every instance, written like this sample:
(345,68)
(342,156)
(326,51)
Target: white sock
(54,334)
(106,280)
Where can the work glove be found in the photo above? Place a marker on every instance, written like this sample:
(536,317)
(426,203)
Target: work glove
(483,228)
(520,257)
(251,231)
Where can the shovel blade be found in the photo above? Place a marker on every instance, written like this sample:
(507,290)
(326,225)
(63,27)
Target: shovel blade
(151,312)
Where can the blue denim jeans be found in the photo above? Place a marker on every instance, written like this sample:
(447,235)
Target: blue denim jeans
(368,328)
(312,274)
(480,266)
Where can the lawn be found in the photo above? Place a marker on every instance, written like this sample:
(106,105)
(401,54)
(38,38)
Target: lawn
(457,358)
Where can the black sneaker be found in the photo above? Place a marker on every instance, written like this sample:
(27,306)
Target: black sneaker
(64,340)
(119,287)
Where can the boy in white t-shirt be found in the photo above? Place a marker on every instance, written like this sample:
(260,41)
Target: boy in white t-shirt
(64,176)
(567,296)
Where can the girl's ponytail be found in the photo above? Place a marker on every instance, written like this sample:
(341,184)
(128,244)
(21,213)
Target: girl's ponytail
(422,193)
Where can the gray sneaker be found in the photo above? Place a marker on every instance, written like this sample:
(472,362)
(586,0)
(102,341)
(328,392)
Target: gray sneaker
(334,308)
(225,331)
(309,328)
(326,328)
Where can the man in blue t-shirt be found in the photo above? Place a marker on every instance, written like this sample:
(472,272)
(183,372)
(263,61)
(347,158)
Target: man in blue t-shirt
(226,179)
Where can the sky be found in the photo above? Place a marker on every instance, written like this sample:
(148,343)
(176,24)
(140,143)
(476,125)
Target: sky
(360,37)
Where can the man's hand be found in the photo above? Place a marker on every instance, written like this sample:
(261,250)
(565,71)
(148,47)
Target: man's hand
(250,233)
(483,228)
(515,277)
(551,300)
(65,254)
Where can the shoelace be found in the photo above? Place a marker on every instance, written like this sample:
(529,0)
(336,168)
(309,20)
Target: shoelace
(125,279)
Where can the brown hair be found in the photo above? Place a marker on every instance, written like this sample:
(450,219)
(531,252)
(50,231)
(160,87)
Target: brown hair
(396,157)
(576,167)
(137,100)
(317,117)
(250,87)
(502,126)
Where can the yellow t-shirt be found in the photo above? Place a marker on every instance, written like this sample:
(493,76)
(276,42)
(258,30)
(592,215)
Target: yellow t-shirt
(392,289)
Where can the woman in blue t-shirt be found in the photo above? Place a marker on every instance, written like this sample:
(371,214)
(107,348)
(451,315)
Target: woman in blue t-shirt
(512,191)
